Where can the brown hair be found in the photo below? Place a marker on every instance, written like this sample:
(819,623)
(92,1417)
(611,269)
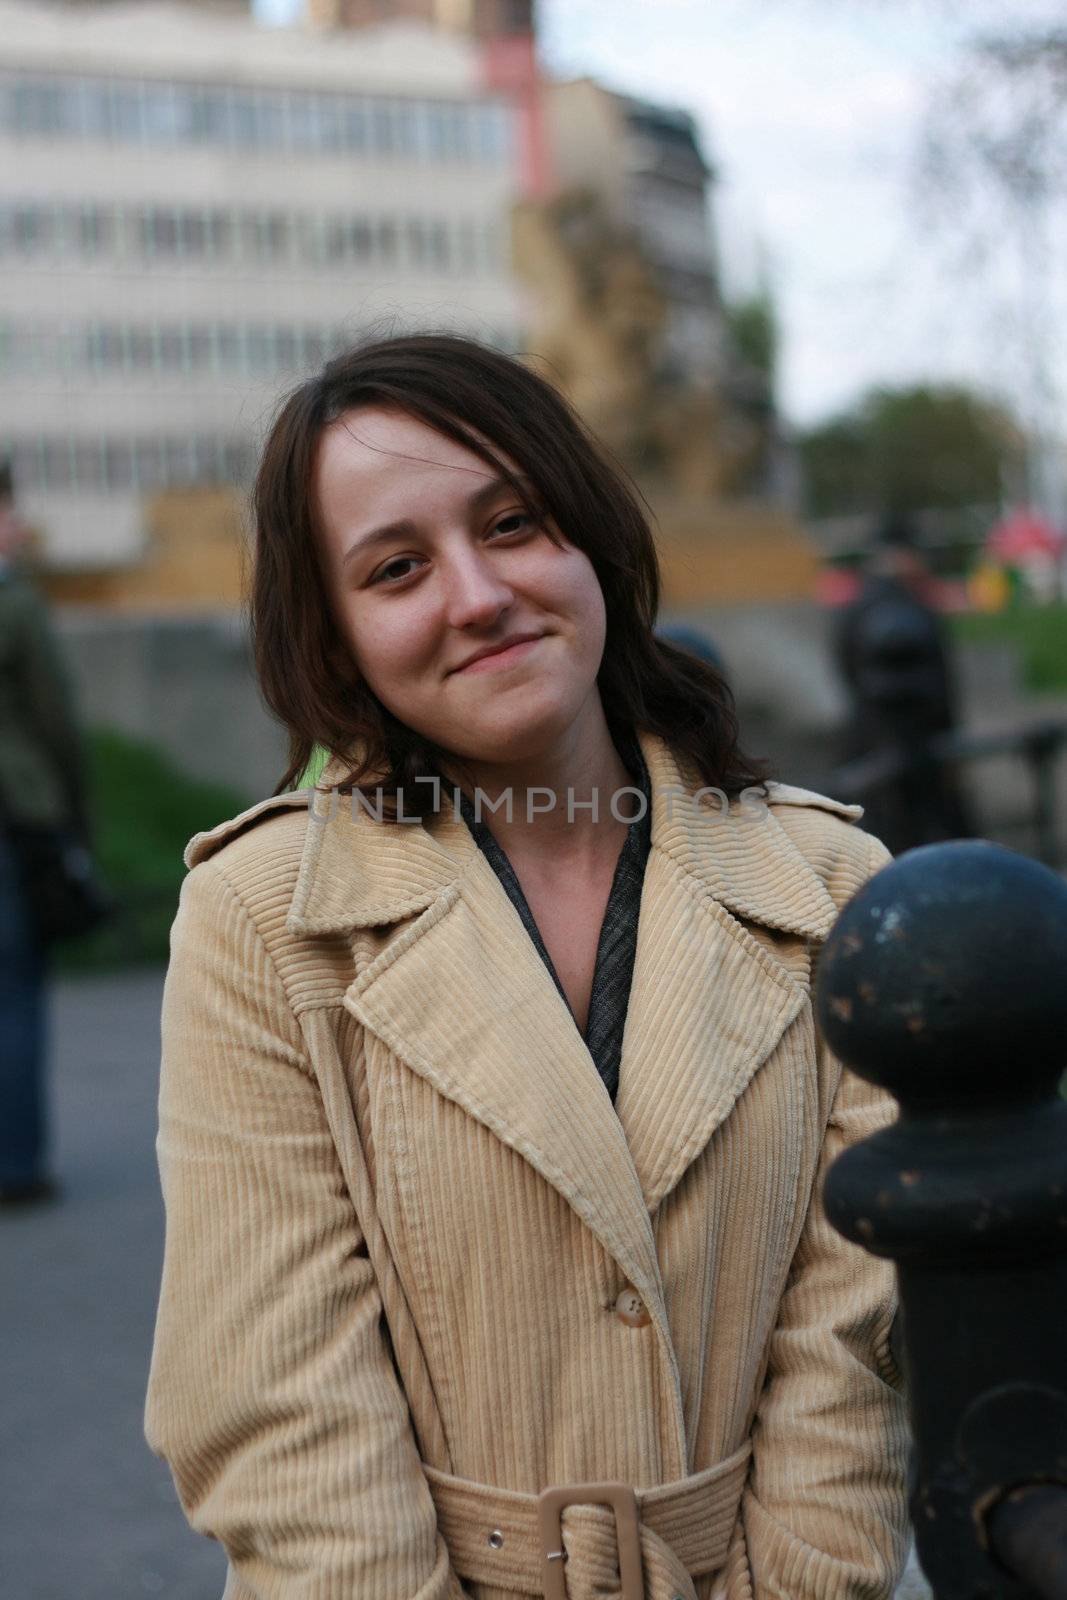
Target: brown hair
(305,668)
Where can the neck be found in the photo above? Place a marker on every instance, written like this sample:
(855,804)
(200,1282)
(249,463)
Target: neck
(551,793)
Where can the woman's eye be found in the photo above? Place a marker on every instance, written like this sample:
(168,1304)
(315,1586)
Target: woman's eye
(514,522)
(392,572)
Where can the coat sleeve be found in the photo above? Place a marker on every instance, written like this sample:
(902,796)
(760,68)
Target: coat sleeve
(271,1392)
(824,1514)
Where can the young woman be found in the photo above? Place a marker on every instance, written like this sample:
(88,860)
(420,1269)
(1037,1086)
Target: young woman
(493,1117)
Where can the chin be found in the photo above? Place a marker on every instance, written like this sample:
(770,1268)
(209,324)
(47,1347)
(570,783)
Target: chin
(505,738)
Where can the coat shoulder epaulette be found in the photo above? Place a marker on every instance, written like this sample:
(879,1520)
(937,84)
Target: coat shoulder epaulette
(787,794)
(207,843)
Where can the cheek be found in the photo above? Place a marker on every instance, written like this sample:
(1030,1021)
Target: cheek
(586,603)
(387,643)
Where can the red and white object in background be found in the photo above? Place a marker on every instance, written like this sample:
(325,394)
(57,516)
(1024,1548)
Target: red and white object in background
(1024,536)
(509,66)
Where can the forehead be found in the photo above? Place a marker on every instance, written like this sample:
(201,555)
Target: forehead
(380,459)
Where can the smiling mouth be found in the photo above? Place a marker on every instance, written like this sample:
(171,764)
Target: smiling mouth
(502,657)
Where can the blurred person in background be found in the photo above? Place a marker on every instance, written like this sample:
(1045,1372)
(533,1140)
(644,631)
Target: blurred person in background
(43,784)
(893,651)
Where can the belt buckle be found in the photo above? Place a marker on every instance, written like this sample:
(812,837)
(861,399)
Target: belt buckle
(623,1500)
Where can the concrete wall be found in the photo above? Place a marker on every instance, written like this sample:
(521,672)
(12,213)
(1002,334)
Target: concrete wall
(184,683)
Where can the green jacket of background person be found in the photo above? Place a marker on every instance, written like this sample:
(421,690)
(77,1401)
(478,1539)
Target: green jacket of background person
(43,763)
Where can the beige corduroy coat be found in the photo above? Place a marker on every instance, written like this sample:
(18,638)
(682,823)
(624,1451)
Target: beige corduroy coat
(412,1244)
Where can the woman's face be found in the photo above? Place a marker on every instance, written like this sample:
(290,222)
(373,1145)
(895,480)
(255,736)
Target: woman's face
(431,561)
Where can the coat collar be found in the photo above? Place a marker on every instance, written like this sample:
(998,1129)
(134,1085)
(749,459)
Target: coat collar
(357,872)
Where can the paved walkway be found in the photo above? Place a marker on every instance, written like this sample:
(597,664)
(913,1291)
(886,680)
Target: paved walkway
(86,1511)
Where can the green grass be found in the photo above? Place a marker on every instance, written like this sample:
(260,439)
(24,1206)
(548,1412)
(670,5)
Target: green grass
(145,810)
(1040,632)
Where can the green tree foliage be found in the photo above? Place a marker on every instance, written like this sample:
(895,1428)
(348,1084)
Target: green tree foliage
(753,327)
(909,449)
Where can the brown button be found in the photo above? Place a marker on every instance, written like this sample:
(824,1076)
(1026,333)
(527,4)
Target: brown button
(630,1308)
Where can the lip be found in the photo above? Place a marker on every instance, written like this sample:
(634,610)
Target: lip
(505,652)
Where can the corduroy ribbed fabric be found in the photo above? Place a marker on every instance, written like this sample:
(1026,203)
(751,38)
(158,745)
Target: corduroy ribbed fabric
(401,1206)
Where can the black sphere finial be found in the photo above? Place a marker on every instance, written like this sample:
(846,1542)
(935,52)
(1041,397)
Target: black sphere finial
(945,978)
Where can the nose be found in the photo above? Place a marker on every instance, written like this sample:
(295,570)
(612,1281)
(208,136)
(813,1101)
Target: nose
(476,594)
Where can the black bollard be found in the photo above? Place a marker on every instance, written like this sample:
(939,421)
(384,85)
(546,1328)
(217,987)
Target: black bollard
(945,981)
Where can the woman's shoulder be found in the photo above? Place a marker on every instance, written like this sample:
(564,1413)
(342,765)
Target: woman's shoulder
(254,856)
(827,834)
(287,814)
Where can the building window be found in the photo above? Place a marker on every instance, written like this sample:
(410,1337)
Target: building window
(27,461)
(355,132)
(259,350)
(149,466)
(179,462)
(218,234)
(127,112)
(244,118)
(466,245)
(105,348)
(495,132)
(235,116)
(32,228)
(304,127)
(166,113)
(93,109)
(406,127)
(275,236)
(387,241)
(59,464)
(235,461)
(435,129)
(316,347)
(199,348)
(416,242)
(210,121)
(229,347)
(334,240)
(383,134)
(146,464)
(285,349)
(158,231)
(191,231)
(37,107)
(142,349)
(270,120)
(437,245)
(89,464)
(265,235)
(172,349)
(94,228)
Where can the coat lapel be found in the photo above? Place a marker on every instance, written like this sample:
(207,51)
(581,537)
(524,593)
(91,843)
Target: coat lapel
(460,995)
(470,1005)
(709,1003)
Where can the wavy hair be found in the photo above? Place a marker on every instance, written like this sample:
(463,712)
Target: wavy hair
(488,402)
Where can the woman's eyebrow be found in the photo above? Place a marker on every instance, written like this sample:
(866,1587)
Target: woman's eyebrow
(405,528)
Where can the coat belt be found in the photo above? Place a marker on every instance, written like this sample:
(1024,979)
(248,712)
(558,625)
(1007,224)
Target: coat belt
(493,1535)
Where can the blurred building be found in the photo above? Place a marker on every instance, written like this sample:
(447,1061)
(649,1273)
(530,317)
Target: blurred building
(485,19)
(195,211)
(645,164)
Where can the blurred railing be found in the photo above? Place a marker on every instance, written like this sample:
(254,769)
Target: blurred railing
(1039,745)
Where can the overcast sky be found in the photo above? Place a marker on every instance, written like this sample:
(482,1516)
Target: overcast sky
(811,111)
